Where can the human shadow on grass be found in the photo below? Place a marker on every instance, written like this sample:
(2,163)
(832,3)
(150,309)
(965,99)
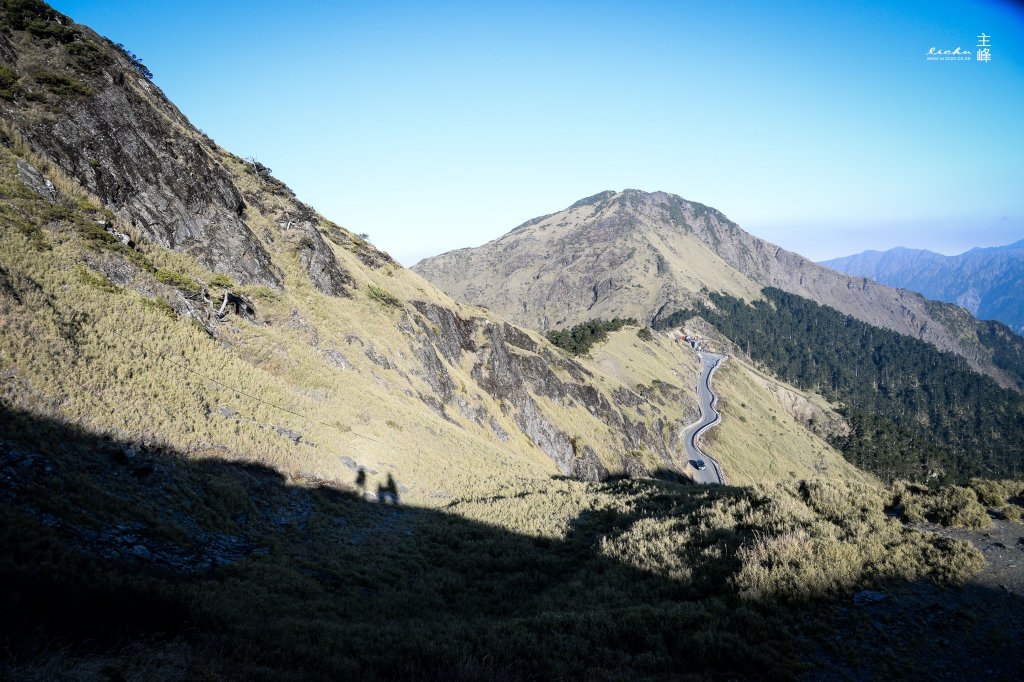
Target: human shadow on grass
(146,563)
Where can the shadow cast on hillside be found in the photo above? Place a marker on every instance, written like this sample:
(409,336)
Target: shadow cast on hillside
(144,562)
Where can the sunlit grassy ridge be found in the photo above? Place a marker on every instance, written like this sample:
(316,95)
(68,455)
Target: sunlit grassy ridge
(758,440)
(109,357)
(91,334)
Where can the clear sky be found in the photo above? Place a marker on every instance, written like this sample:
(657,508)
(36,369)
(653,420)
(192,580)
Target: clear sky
(822,127)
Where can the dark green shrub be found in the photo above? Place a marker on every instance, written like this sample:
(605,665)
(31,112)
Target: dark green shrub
(98,281)
(383,297)
(88,58)
(221,282)
(62,86)
(98,237)
(8,83)
(580,338)
(135,60)
(39,19)
(178,281)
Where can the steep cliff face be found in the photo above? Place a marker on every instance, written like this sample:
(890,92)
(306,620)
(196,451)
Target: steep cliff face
(81,104)
(146,271)
(642,425)
(640,254)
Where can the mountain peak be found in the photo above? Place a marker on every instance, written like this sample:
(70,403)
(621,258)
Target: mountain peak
(644,255)
(595,199)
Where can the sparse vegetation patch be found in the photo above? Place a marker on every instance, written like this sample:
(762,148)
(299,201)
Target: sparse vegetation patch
(9,89)
(179,281)
(63,86)
(383,296)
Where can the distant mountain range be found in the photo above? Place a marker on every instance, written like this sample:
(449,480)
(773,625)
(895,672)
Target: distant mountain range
(989,282)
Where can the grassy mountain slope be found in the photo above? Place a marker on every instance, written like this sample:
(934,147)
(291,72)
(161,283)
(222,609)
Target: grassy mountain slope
(644,255)
(762,438)
(768,432)
(597,258)
(193,365)
(328,356)
(395,377)
(125,229)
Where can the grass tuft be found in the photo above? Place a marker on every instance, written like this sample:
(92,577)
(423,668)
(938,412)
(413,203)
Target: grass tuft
(383,296)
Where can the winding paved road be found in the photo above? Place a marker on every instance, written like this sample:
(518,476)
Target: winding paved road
(709,416)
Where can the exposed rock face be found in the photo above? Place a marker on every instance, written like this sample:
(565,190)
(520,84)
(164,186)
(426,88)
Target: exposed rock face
(988,282)
(321,265)
(134,150)
(35,181)
(514,369)
(644,255)
(819,420)
(84,107)
(166,201)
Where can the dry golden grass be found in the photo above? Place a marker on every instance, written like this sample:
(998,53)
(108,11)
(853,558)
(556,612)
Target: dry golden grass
(649,261)
(758,440)
(970,506)
(80,347)
(115,358)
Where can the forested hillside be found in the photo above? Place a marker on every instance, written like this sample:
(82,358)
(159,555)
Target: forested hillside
(915,412)
(580,338)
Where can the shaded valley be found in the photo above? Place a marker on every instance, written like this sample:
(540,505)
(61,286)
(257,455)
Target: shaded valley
(113,571)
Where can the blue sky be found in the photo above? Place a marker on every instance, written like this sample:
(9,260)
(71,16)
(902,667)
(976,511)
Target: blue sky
(820,126)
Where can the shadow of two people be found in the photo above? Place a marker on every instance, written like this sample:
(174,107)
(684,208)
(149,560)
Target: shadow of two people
(386,493)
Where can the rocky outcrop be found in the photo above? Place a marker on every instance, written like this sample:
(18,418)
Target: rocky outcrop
(818,419)
(516,370)
(84,106)
(323,269)
(134,150)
